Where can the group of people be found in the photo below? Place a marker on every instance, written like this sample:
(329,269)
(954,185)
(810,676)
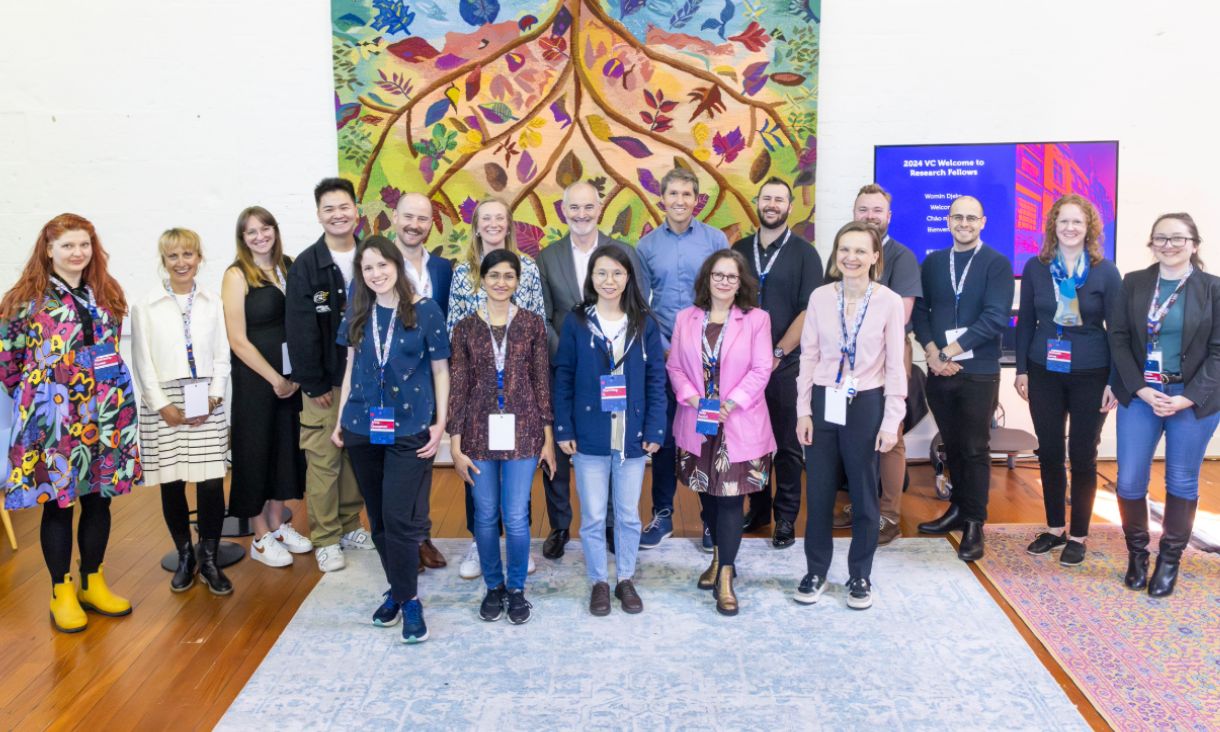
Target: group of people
(731,367)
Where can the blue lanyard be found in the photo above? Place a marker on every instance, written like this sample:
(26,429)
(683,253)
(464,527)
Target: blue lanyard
(598,337)
(1156,315)
(957,285)
(186,325)
(382,349)
(763,273)
(713,352)
(94,312)
(847,340)
(500,351)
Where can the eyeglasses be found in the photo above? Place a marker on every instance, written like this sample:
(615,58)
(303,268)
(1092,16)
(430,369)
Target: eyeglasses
(971,219)
(505,277)
(603,275)
(1171,242)
(732,279)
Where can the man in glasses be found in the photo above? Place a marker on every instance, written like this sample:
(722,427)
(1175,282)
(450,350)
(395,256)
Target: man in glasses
(564,267)
(788,269)
(967,298)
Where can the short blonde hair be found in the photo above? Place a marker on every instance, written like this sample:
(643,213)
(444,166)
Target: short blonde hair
(174,238)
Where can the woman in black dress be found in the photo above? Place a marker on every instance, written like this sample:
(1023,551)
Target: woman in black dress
(268,465)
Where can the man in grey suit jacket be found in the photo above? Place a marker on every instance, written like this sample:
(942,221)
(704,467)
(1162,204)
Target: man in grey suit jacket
(564,266)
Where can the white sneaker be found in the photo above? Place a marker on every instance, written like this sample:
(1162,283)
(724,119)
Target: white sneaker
(291,540)
(470,567)
(358,539)
(330,558)
(530,568)
(270,552)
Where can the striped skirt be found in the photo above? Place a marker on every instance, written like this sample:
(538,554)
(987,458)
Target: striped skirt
(190,454)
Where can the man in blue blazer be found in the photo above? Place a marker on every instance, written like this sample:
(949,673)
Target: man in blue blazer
(430,275)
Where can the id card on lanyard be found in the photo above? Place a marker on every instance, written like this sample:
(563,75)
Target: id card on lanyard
(1059,355)
(707,419)
(613,386)
(501,427)
(844,390)
(194,392)
(764,273)
(1154,363)
(381,418)
(103,356)
(951,335)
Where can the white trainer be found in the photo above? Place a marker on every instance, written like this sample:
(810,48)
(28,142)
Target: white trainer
(470,567)
(330,558)
(270,552)
(292,540)
(358,539)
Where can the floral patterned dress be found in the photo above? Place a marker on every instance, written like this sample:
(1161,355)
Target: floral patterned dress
(72,434)
(710,471)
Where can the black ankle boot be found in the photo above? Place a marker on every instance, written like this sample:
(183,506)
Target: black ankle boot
(971,548)
(1175,535)
(951,520)
(213,577)
(1134,512)
(184,575)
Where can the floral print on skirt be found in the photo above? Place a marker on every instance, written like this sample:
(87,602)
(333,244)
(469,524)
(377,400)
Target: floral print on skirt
(711,472)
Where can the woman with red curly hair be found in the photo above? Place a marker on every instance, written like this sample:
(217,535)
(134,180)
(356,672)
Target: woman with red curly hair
(73,438)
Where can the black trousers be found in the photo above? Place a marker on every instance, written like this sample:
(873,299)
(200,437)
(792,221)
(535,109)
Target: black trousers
(963,405)
(665,460)
(93,534)
(789,461)
(1055,398)
(396,484)
(210,497)
(837,450)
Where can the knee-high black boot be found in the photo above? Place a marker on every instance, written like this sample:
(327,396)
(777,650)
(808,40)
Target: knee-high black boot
(1134,512)
(1175,535)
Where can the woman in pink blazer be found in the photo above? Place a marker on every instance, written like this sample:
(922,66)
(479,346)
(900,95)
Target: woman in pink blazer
(719,365)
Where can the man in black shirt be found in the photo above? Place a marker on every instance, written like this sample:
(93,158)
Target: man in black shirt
(788,269)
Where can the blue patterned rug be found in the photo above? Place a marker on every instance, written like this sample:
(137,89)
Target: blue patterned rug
(679,665)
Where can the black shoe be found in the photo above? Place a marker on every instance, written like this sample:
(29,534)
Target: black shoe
(859,593)
(209,570)
(810,589)
(1073,553)
(1176,528)
(184,575)
(610,539)
(755,519)
(1134,513)
(785,534)
(494,601)
(950,521)
(1044,542)
(552,548)
(518,608)
(971,548)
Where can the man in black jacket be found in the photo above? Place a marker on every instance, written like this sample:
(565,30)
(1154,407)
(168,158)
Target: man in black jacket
(318,283)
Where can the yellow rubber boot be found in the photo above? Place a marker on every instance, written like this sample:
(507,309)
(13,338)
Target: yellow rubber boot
(66,612)
(96,596)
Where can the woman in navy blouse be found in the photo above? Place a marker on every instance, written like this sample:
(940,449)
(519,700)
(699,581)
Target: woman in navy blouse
(609,413)
(1063,364)
(392,414)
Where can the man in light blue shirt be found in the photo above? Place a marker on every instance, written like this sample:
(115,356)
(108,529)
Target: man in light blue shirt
(670,257)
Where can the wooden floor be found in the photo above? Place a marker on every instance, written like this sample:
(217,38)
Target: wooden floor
(179,660)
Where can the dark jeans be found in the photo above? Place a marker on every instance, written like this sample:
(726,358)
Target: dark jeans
(665,461)
(789,458)
(93,533)
(396,484)
(839,449)
(963,405)
(1053,399)
(723,516)
(210,495)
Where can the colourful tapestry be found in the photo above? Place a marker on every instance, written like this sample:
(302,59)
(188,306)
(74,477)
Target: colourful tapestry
(519,98)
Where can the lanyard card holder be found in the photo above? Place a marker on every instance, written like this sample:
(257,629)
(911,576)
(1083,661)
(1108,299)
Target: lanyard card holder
(707,421)
(1059,356)
(614,392)
(381,425)
(195,398)
(836,406)
(502,432)
(1152,367)
(105,362)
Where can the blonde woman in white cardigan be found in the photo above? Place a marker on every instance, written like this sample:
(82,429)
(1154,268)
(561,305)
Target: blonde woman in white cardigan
(181,356)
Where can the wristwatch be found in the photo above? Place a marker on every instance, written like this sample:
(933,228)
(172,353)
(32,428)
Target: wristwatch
(778,352)
(943,358)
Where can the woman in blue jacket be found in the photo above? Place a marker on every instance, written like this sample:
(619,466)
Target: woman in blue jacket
(609,412)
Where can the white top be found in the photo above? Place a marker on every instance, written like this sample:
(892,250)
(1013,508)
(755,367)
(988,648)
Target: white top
(345,261)
(581,260)
(158,344)
(616,331)
(421,281)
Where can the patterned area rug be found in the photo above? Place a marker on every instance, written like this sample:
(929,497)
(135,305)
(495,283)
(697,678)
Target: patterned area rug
(934,652)
(1144,663)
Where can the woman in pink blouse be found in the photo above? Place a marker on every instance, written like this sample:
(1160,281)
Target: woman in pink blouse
(851,395)
(719,364)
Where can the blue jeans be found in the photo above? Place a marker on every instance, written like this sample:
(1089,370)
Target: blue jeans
(593,479)
(1186,438)
(502,490)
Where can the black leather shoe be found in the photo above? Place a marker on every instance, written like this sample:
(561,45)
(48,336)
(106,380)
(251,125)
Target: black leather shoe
(1134,513)
(1176,529)
(785,534)
(755,520)
(209,570)
(552,548)
(950,521)
(971,548)
(184,575)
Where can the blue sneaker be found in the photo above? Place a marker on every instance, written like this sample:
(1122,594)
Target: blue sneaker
(414,630)
(659,529)
(387,615)
(707,540)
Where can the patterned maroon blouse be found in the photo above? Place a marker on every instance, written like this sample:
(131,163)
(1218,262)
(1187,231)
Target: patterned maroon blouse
(472,384)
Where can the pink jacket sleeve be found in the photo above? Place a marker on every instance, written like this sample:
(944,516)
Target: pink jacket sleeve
(684,388)
(752,388)
(810,356)
(895,367)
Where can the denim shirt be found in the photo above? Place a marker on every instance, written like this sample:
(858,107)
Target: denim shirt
(670,262)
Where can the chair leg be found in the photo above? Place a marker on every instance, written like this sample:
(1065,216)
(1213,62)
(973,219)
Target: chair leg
(8,528)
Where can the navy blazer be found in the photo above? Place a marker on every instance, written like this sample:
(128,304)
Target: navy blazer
(440,270)
(579,364)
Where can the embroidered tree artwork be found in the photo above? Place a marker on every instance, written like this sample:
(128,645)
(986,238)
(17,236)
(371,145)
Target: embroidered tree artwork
(519,98)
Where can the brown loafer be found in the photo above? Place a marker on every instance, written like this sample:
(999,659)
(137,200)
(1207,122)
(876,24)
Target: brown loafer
(628,597)
(599,599)
(842,519)
(430,556)
(889,532)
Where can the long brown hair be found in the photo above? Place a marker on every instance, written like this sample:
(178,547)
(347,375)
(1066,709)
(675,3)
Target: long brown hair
(244,261)
(474,253)
(364,298)
(874,272)
(1187,219)
(747,286)
(36,277)
(1093,236)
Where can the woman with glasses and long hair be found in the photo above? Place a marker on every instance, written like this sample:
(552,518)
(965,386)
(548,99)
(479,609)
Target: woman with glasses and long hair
(610,414)
(1063,365)
(74,440)
(719,364)
(1165,342)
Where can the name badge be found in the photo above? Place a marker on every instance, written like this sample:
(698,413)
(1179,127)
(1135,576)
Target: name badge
(614,392)
(836,406)
(105,362)
(286,367)
(381,425)
(1059,356)
(195,398)
(1152,368)
(951,336)
(502,432)
(707,421)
